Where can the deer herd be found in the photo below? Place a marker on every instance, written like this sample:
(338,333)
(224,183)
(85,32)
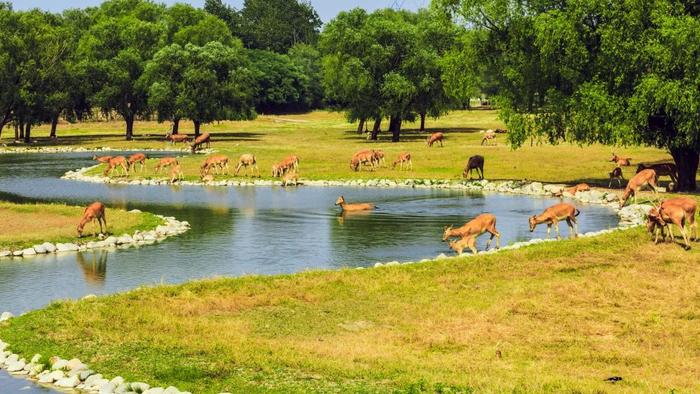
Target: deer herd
(679,212)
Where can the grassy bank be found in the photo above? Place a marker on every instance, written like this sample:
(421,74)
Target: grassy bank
(562,316)
(325,142)
(25,225)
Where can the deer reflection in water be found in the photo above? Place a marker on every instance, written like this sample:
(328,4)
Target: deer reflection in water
(94,266)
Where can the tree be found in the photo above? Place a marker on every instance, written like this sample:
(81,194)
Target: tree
(282,86)
(226,13)
(10,54)
(277,25)
(596,71)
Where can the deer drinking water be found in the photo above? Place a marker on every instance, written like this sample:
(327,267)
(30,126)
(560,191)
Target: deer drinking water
(404,157)
(581,187)
(102,159)
(553,215)
(355,207)
(643,178)
(94,211)
(484,223)
(475,162)
(435,137)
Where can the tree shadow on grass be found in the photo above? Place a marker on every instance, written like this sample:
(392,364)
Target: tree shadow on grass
(148,137)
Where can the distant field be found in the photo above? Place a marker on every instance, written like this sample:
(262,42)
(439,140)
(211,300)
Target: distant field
(325,142)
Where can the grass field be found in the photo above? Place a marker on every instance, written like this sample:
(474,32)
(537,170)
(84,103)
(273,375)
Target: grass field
(325,141)
(25,225)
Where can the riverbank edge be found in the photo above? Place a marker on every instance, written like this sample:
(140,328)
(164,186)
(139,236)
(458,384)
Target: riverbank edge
(6,150)
(169,228)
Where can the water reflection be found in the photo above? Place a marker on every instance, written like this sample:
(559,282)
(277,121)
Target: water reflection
(94,266)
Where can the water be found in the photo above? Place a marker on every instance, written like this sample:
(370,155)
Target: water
(243,230)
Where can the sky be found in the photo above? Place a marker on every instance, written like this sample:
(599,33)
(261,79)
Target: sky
(327,9)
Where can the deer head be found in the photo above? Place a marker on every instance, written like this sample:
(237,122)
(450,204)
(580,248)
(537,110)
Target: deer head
(446,233)
(340,201)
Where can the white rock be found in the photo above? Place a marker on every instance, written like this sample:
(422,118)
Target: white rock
(68,382)
(59,364)
(39,249)
(67,247)
(139,387)
(107,388)
(17,253)
(111,240)
(92,379)
(441,256)
(75,365)
(5,253)
(29,252)
(6,316)
(53,376)
(155,390)
(16,366)
(49,247)
(171,390)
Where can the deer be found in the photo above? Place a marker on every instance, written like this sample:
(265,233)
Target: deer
(176,174)
(94,211)
(641,179)
(175,138)
(101,159)
(290,178)
(475,162)
(117,161)
(468,233)
(204,139)
(661,169)
(165,162)
(621,162)
(489,136)
(248,161)
(363,157)
(680,211)
(288,164)
(379,158)
(553,215)
(581,187)
(435,137)
(616,174)
(355,207)
(294,160)
(139,158)
(218,162)
(404,157)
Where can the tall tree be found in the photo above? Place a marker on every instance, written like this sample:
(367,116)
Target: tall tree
(282,85)
(596,71)
(11,47)
(278,25)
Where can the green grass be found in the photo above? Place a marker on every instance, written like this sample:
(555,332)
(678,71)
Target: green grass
(564,316)
(25,225)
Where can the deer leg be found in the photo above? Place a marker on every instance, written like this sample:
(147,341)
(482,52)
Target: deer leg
(556,228)
(472,244)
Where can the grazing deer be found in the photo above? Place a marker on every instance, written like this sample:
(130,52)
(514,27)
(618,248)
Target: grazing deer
(248,161)
(138,158)
(581,187)
(379,158)
(102,159)
(553,215)
(680,211)
(404,157)
(489,136)
(643,178)
(616,174)
(290,178)
(475,162)
(484,223)
(177,138)
(117,161)
(356,207)
(176,174)
(363,157)
(294,160)
(661,169)
(218,162)
(94,211)
(165,162)
(206,178)
(288,164)
(621,162)
(435,137)
(204,139)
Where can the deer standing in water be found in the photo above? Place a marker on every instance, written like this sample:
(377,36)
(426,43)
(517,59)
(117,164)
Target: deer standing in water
(553,215)
(436,137)
(165,162)
(680,211)
(355,207)
(248,161)
(404,157)
(484,223)
(139,158)
(621,162)
(117,161)
(616,174)
(94,211)
(643,178)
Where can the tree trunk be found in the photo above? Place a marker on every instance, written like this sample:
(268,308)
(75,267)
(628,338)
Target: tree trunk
(395,128)
(28,133)
(687,163)
(19,136)
(129,127)
(376,128)
(54,124)
(197,124)
(361,126)
(176,126)
(422,121)
(16,131)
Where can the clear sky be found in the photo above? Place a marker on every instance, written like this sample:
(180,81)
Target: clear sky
(327,9)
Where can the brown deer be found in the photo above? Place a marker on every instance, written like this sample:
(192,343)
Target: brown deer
(581,187)
(662,169)
(379,158)
(139,158)
(290,178)
(248,161)
(475,162)
(621,162)
(616,174)
(680,211)
(117,161)
(435,137)
(404,157)
(489,136)
(177,138)
(288,164)
(355,207)
(176,174)
(199,142)
(553,215)
(643,178)
(363,157)
(165,162)
(217,162)
(94,211)
(484,223)
(102,159)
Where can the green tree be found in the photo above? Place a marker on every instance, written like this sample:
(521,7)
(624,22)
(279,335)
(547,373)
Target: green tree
(226,13)
(11,47)
(282,85)
(278,25)
(596,71)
